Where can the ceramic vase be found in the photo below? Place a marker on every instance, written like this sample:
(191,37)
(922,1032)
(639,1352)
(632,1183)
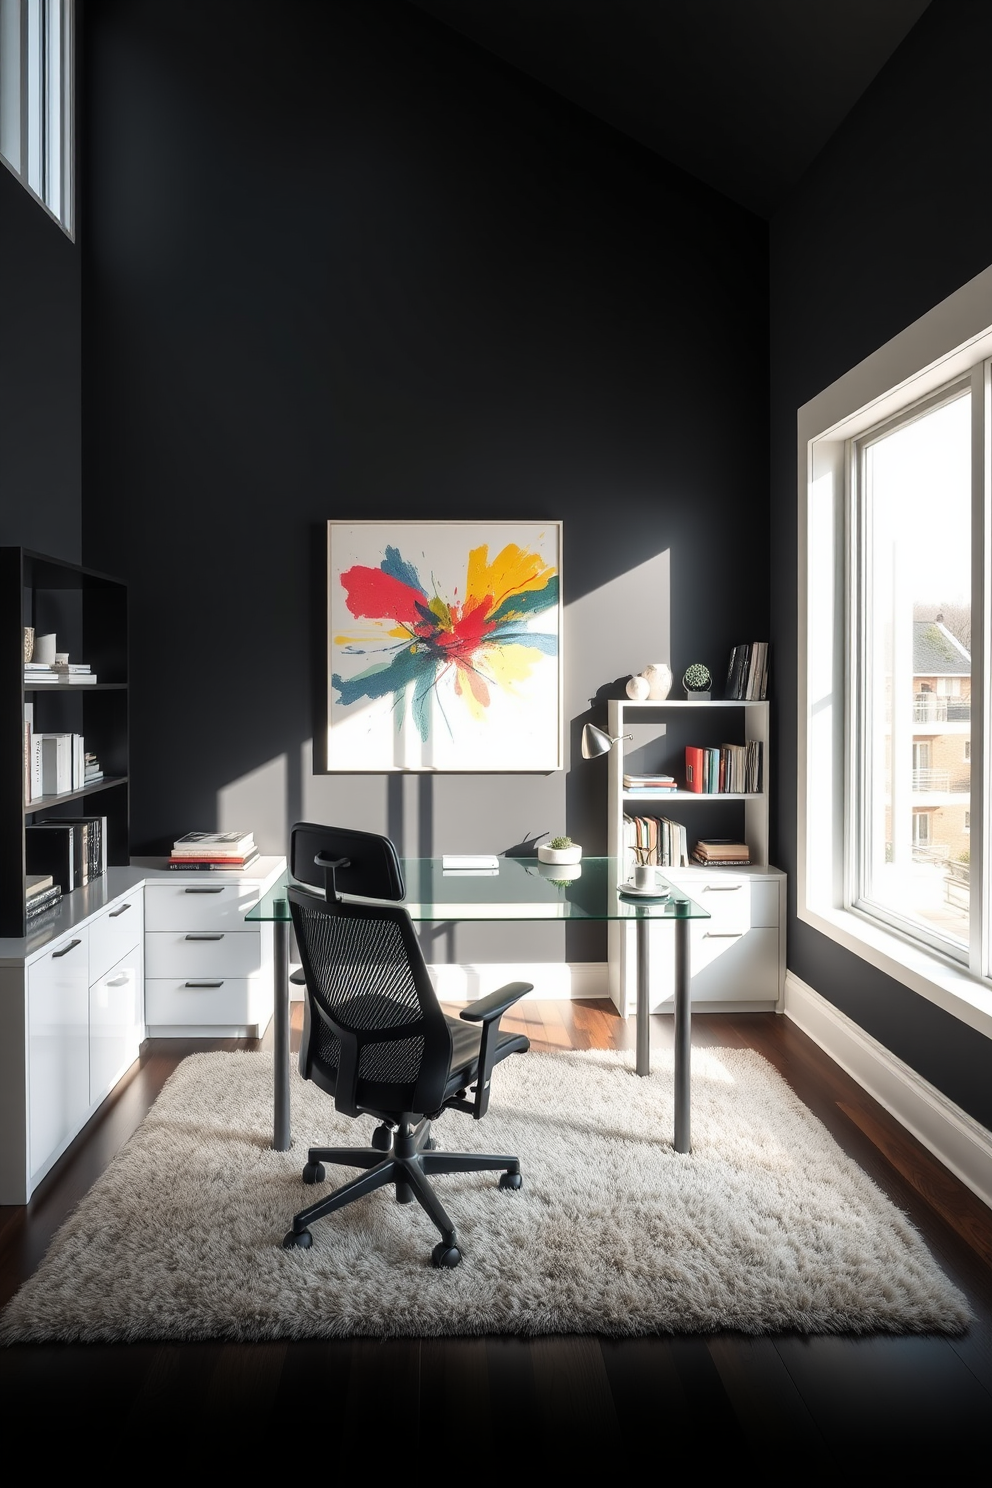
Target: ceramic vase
(659,679)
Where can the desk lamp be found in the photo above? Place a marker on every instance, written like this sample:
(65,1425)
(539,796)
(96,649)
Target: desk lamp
(595,742)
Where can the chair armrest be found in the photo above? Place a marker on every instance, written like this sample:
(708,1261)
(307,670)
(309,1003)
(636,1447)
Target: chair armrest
(488,1011)
(298,979)
(494,1004)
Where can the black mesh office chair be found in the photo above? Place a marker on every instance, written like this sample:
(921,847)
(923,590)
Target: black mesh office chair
(375,1036)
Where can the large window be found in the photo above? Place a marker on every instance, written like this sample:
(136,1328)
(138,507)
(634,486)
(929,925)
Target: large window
(910,512)
(895,493)
(36,100)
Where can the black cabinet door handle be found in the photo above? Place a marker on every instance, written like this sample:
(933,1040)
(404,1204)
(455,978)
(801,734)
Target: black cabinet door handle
(204,935)
(204,984)
(66,949)
(115,912)
(204,890)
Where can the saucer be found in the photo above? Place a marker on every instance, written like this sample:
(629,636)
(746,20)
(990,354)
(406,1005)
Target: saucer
(655,893)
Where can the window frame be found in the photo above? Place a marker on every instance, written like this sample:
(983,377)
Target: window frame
(949,344)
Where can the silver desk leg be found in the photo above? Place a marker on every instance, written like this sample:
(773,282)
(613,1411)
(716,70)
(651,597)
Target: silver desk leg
(643,1063)
(683,1028)
(280,1014)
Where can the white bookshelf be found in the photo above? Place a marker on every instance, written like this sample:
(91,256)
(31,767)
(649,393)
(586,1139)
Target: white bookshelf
(738,956)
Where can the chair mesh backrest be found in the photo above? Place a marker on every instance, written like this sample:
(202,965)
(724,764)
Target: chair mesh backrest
(360,974)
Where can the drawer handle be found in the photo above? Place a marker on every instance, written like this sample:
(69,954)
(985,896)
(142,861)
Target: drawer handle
(204,890)
(114,913)
(66,949)
(205,935)
(119,981)
(204,984)
(721,888)
(722,934)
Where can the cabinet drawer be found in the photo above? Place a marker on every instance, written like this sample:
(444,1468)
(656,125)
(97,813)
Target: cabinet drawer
(113,934)
(734,968)
(727,899)
(186,906)
(170,1002)
(173,953)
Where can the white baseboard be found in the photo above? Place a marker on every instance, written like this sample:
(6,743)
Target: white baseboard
(552,980)
(954,1137)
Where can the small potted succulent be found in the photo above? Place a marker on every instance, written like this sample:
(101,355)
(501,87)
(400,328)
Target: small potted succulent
(559,850)
(697,681)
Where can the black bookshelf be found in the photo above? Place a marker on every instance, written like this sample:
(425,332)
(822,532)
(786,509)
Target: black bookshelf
(87,610)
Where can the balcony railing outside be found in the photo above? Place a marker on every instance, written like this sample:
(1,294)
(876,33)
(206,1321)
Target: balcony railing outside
(928,708)
(931,780)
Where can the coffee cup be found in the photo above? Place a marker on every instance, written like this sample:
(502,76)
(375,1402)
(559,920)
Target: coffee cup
(644,876)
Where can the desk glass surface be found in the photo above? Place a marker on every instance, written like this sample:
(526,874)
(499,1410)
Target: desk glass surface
(520,889)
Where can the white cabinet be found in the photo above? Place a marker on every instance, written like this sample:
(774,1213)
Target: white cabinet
(208,973)
(738,955)
(71,1024)
(58,1050)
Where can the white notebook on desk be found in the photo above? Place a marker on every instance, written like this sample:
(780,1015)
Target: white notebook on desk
(470,862)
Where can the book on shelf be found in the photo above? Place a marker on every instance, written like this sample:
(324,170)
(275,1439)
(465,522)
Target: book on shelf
(747,672)
(202,844)
(733,769)
(50,847)
(49,677)
(712,850)
(58,763)
(91,850)
(37,883)
(649,782)
(212,865)
(40,904)
(657,841)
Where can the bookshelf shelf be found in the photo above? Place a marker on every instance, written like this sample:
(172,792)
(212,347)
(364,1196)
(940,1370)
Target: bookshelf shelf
(87,610)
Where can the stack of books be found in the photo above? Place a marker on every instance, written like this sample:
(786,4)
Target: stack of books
(213,851)
(44,896)
(658,782)
(747,672)
(721,851)
(40,673)
(91,769)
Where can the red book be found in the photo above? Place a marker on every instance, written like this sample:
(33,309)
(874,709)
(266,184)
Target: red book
(693,768)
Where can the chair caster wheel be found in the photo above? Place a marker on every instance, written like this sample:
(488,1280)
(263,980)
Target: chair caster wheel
(298,1240)
(382,1139)
(314,1173)
(445,1255)
(511,1180)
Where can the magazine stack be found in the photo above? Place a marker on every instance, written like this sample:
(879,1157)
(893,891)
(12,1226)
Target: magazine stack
(214,852)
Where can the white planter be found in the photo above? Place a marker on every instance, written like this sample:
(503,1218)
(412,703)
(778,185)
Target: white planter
(559,854)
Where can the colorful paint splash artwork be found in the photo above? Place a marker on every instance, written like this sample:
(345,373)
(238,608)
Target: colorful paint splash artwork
(448,642)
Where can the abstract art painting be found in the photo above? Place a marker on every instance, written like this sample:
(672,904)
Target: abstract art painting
(444,646)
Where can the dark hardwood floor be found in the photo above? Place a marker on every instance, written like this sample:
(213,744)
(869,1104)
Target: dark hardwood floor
(792,1405)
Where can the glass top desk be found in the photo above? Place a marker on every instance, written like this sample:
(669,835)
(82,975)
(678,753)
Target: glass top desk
(520,889)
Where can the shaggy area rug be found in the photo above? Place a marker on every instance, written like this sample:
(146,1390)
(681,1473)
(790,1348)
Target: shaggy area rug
(765,1226)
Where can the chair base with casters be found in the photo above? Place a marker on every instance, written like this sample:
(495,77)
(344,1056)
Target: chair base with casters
(406,1157)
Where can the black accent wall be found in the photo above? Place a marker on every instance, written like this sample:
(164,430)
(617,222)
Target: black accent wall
(40,378)
(341,264)
(895,215)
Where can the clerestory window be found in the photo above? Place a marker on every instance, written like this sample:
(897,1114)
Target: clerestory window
(36,100)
